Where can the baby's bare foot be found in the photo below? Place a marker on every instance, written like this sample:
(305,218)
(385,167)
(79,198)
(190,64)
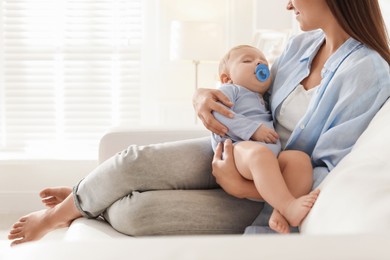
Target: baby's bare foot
(33,227)
(278,223)
(300,207)
(53,196)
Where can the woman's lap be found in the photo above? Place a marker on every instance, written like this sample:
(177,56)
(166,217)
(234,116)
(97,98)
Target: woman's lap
(165,188)
(182,212)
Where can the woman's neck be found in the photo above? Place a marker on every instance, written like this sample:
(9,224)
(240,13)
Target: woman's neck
(335,36)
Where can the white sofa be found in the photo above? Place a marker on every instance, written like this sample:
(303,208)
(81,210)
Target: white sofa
(350,220)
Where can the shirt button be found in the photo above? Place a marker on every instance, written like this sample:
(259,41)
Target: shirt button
(302,126)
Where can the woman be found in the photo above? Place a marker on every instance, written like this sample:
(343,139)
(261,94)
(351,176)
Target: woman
(346,64)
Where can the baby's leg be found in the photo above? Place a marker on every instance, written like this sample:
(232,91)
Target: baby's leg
(241,161)
(297,173)
(277,221)
(262,164)
(243,156)
(246,151)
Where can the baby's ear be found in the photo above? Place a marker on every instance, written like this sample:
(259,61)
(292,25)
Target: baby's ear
(225,78)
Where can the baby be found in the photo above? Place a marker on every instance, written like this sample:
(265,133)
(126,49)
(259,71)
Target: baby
(283,180)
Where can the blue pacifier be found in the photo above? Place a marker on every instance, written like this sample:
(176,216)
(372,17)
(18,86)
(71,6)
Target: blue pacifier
(262,72)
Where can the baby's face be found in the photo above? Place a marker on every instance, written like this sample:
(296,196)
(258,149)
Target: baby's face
(242,69)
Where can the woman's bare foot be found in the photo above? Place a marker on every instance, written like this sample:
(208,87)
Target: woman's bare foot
(37,224)
(298,209)
(34,226)
(53,196)
(278,223)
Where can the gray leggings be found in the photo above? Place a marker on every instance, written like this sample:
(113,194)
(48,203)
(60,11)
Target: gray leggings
(163,189)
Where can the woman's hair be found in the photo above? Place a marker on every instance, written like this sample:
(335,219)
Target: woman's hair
(363,20)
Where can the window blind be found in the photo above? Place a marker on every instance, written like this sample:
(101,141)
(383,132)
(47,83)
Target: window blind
(69,69)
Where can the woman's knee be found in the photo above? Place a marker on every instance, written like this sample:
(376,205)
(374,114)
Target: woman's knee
(133,215)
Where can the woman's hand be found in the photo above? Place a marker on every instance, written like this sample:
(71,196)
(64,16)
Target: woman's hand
(227,175)
(205,101)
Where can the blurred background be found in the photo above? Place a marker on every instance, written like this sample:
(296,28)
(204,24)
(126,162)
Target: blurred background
(72,69)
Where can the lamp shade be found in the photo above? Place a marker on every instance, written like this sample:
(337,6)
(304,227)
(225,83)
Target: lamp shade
(201,41)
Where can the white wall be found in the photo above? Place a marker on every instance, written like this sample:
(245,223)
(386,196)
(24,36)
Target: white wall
(174,80)
(385,6)
(272,15)
(21,180)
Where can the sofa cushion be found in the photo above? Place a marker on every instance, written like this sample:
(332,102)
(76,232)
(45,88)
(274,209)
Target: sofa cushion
(92,229)
(227,247)
(355,197)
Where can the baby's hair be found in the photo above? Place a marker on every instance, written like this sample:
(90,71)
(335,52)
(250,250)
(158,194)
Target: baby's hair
(223,64)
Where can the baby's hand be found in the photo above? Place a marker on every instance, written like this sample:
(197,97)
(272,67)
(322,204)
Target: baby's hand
(265,134)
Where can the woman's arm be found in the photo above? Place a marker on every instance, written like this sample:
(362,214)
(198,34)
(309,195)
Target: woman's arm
(227,175)
(205,101)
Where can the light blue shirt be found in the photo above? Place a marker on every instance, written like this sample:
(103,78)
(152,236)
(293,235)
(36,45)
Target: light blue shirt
(355,84)
(250,112)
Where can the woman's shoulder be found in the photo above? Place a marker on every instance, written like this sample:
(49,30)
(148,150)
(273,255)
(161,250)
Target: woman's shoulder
(363,70)
(367,63)
(371,58)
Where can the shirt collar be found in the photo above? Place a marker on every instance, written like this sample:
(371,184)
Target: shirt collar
(342,53)
(312,50)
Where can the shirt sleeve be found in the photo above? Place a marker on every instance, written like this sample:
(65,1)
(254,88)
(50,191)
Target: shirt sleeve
(240,128)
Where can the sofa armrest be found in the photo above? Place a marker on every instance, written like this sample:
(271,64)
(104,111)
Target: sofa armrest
(355,196)
(118,139)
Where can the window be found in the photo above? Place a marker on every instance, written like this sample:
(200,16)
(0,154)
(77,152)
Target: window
(69,69)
